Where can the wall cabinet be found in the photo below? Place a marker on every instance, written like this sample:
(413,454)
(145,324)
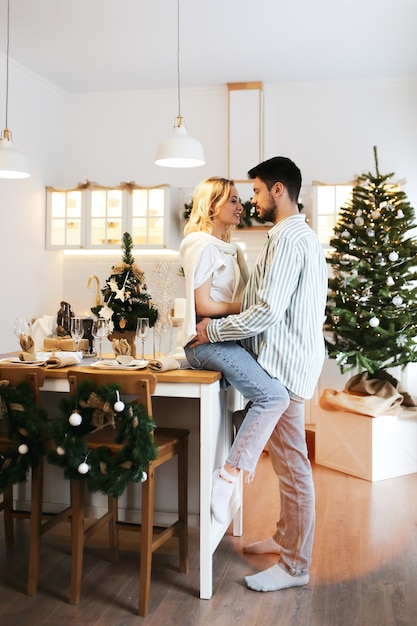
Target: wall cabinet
(91,216)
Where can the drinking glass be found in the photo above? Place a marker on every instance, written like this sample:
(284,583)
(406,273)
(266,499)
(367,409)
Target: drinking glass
(142,331)
(22,326)
(77,330)
(100,331)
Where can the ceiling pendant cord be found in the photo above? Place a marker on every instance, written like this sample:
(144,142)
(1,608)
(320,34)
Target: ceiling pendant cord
(13,164)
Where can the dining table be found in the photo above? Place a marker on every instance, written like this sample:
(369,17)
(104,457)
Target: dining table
(212,417)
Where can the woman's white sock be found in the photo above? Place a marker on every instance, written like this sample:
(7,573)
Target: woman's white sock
(221,492)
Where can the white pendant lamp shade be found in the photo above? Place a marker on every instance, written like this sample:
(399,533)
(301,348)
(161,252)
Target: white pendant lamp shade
(180,150)
(13,164)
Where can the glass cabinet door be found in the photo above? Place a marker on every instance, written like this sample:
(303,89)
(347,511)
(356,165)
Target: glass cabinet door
(148,213)
(105,223)
(65,228)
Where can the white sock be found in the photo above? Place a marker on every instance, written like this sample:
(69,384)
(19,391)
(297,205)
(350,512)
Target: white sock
(267,546)
(274,579)
(221,492)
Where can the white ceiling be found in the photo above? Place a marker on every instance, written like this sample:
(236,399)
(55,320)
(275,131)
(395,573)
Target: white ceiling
(102,45)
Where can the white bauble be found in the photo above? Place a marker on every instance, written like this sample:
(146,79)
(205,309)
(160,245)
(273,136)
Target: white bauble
(374,322)
(83,468)
(393,256)
(75,419)
(397,301)
(23,449)
(144,477)
(60,450)
(119,406)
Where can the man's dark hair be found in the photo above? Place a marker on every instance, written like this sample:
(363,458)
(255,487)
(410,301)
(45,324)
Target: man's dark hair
(279,170)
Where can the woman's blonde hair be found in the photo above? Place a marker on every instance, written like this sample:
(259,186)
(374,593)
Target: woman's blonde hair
(208,197)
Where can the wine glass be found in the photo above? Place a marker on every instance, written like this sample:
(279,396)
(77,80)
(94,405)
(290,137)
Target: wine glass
(99,331)
(142,331)
(77,330)
(22,326)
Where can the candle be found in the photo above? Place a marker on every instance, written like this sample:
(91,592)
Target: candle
(179,308)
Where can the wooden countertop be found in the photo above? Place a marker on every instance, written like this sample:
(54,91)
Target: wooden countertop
(205,377)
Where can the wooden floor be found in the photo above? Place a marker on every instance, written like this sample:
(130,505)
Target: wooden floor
(364,568)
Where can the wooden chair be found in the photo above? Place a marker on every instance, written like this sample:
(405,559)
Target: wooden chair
(35,376)
(170,442)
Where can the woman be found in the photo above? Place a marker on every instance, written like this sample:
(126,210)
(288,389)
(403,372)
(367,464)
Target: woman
(215,276)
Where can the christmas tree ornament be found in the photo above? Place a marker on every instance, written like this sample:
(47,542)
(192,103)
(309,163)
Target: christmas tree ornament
(390,281)
(118,405)
(359,221)
(345,234)
(376,214)
(400,214)
(144,477)
(370,232)
(397,301)
(83,468)
(374,322)
(23,449)
(75,418)
(393,256)
(60,450)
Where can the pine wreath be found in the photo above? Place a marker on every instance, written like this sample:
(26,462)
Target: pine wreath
(24,423)
(93,408)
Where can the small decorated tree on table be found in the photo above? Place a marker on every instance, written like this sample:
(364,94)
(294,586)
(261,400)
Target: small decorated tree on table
(371,313)
(126,296)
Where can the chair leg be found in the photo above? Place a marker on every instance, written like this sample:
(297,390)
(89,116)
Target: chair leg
(183,504)
(148,490)
(112,506)
(8,518)
(35,528)
(77,539)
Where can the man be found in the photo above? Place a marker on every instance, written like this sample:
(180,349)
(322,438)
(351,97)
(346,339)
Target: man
(281,324)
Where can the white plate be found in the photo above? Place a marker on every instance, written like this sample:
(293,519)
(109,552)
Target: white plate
(17,361)
(113,364)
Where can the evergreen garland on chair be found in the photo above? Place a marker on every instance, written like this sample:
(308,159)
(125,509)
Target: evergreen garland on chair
(94,408)
(25,425)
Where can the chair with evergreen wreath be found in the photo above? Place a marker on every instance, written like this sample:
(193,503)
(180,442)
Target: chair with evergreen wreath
(169,443)
(22,452)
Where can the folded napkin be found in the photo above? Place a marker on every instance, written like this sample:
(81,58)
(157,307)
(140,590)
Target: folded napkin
(28,346)
(64,360)
(121,347)
(163,364)
(64,344)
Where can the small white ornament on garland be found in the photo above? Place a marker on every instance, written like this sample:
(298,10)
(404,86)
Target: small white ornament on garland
(393,256)
(397,301)
(83,467)
(23,449)
(144,477)
(75,418)
(390,281)
(119,406)
(374,322)
(60,451)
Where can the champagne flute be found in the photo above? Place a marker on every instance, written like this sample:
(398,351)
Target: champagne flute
(99,331)
(77,330)
(22,326)
(142,331)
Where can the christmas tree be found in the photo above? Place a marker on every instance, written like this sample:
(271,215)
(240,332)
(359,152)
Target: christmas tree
(125,294)
(371,313)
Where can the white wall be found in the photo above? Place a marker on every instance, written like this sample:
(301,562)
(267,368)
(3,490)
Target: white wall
(31,279)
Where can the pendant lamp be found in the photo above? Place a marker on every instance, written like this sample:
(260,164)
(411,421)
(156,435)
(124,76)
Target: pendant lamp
(179,150)
(13,164)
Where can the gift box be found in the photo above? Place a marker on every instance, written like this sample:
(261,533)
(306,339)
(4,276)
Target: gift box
(372,448)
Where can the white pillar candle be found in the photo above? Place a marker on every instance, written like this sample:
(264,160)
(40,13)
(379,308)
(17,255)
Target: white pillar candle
(179,308)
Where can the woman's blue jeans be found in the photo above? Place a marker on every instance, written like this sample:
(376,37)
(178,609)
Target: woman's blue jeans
(269,397)
(276,417)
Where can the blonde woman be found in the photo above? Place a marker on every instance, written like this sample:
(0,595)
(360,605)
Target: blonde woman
(215,276)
